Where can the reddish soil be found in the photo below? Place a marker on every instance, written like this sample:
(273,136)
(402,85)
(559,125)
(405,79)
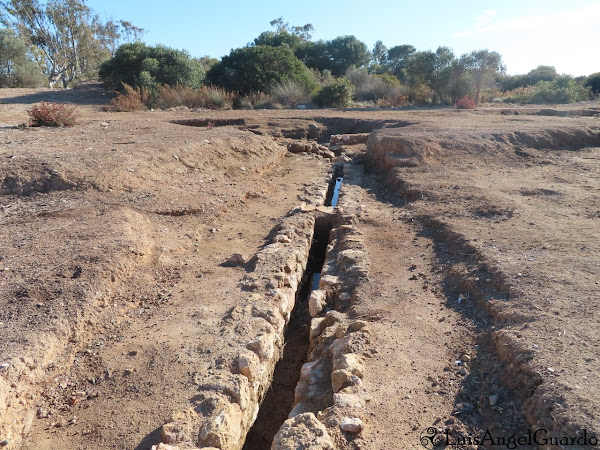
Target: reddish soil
(481,227)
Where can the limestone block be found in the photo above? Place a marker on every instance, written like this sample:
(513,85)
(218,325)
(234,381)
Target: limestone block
(302,431)
(340,378)
(351,362)
(316,302)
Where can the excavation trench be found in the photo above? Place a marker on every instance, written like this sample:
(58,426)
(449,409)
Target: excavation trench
(279,399)
(335,185)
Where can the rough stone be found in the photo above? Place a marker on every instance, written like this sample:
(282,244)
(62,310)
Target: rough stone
(180,428)
(222,429)
(237,259)
(302,432)
(346,400)
(263,346)
(351,362)
(351,425)
(316,302)
(339,378)
(162,446)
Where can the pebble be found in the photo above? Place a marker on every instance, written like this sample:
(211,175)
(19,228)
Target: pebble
(4,365)
(351,425)
(465,358)
(4,442)
(493,400)
(463,371)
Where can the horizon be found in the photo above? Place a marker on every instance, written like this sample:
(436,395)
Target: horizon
(526,35)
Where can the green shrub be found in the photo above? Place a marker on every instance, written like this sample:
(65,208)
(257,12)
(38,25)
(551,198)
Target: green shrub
(147,67)
(253,69)
(563,89)
(369,87)
(335,95)
(593,83)
(52,115)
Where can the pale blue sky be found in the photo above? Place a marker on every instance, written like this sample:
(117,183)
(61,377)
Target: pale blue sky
(527,33)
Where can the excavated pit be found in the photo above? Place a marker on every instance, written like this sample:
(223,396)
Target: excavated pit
(209,122)
(279,399)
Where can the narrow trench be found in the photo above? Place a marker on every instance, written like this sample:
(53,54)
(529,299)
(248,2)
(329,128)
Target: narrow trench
(280,397)
(333,190)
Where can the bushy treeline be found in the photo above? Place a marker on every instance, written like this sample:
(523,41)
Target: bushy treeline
(285,68)
(60,41)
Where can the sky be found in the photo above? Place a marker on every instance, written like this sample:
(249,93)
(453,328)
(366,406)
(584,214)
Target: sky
(527,33)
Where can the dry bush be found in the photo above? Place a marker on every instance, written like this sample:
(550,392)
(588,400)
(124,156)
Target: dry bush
(421,95)
(465,103)
(133,99)
(205,97)
(257,100)
(167,97)
(290,93)
(216,97)
(46,114)
(394,101)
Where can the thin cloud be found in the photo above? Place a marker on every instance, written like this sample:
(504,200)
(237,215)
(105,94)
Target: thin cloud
(575,19)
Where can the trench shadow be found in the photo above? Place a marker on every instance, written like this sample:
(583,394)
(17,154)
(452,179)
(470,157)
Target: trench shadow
(149,440)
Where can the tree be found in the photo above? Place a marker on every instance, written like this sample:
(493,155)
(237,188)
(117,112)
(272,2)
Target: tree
(258,68)
(483,66)
(144,66)
(433,69)
(16,67)
(65,36)
(396,60)
(113,34)
(593,82)
(55,30)
(378,57)
(291,36)
(346,51)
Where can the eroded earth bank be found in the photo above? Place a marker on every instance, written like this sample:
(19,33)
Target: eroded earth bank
(194,279)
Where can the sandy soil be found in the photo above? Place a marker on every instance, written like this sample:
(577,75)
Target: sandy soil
(481,228)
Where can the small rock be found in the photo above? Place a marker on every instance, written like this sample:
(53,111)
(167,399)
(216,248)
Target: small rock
(237,259)
(4,442)
(463,371)
(351,425)
(465,358)
(493,400)
(4,366)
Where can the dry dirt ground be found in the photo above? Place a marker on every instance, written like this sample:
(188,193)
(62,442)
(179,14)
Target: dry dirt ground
(482,230)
